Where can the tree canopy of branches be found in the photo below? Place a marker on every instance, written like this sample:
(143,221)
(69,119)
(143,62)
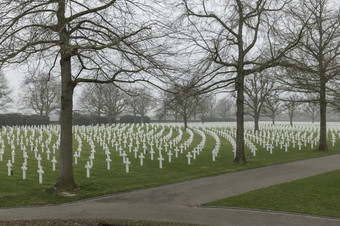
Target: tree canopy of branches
(183,99)
(206,106)
(292,106)
(101,41)
(103,99)
(258,89)
(273,105)
(314,64)
(5,92)
(140,102)
(41,93)
(237,38)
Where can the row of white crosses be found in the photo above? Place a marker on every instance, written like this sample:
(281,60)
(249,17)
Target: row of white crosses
(164,143)
(269,137)
(216,149)
(21,139)
(117,143)
(142,142)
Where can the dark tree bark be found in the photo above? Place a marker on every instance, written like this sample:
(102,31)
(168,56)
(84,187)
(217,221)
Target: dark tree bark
(65,174)
(229,39)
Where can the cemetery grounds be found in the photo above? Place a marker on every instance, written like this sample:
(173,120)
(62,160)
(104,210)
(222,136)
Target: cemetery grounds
(124,157)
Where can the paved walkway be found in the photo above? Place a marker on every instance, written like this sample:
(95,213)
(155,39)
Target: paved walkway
(181,202)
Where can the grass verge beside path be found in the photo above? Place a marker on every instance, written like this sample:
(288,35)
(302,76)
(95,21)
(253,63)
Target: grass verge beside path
(319,195)
(90,222)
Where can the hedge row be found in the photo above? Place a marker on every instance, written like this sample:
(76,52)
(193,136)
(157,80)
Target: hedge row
(21,120)
(134,119)
(86,120)
(79,119)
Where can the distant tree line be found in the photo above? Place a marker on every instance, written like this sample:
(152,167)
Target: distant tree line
(22,120)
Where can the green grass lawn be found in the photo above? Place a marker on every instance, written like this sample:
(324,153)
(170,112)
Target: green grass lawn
(14,191)
(318,195)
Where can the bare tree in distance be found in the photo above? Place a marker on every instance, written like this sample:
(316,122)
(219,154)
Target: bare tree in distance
(258,88)
(311,110)
(293,106)
(103,99)
(183,99)
(41,93)
(236,39)
(273,105)
(5,91)
(100,41)
(140,101)
(225,108)
(206,106)
(313,67)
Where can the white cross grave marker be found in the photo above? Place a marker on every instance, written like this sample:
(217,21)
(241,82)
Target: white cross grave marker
(24,169)
(127,163)
(9,167)
(54,161)
(160,159)
(108,160)
(189,157)
(88,167)
(169,154)
(39,159)
(141,157)
(41,172)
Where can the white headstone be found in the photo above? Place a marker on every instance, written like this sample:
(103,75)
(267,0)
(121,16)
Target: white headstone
(40,172)
(88,167)
(127,163)
(9,167)
(54,161)
(24,169)
(160,159)
(189,157)
(108,160)
(141,157)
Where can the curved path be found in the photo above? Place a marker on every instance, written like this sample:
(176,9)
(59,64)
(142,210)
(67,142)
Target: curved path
(181,202)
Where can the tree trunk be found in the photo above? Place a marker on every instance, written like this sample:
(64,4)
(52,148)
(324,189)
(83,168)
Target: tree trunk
(240,157)
(323,121)
(273,119)
(256,121)
(65,175)
(109,117)
(134,116)
(142,118)
(185,119)
(291,119)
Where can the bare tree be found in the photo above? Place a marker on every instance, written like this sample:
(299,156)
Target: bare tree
(103,99)
(238,38)
(183,99)
(273,105)
(311,110)
(90,99)
(292,106)
(314,65)
(5,91)
(101,41)
(206,106)
(257,90)
(140,102)
(225,108)
(41,93)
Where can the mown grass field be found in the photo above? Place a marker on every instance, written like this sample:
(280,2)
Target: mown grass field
(317,195)
(14,191)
